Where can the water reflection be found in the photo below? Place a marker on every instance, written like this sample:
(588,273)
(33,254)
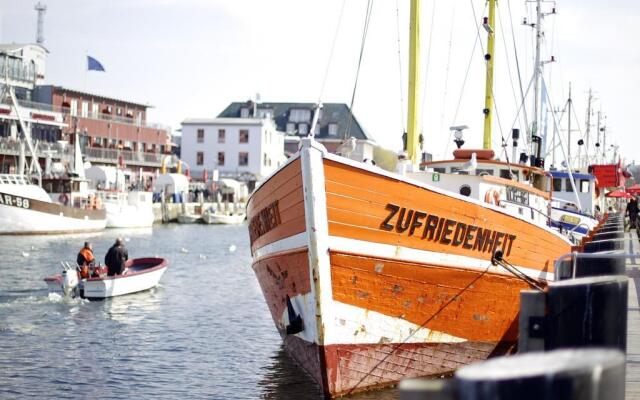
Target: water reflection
(133,308)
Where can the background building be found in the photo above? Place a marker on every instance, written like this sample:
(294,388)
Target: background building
(336,123)
(111,129)
(247,149)
(22,67)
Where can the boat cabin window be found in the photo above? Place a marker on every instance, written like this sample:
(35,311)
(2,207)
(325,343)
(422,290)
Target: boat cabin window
(440,170)
(584,186)
(567,187)
(557,185)
(506,174)
(483,172)
(455,170)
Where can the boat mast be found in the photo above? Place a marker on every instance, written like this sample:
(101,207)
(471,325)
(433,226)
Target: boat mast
(489,24)
(588,128)
(414,58)
(569,105)
(536,73)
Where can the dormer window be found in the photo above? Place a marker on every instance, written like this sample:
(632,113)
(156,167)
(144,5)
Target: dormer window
(333,129)
(265,113)
(291,127)
(244,112)
(299,115)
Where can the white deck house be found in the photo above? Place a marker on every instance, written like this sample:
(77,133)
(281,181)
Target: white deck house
(247,149)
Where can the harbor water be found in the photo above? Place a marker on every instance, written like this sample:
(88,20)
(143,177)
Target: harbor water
(205,332)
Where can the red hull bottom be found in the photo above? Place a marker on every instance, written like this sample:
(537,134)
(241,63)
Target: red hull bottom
(347,369)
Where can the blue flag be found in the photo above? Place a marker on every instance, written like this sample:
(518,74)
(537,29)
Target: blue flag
(93,64)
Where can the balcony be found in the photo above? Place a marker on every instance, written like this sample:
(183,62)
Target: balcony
(110,156)
(63,150)
(66,112)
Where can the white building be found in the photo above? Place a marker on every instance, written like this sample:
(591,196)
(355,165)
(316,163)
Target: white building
(247,149)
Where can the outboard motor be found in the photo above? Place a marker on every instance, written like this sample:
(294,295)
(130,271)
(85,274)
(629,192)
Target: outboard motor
(70,282)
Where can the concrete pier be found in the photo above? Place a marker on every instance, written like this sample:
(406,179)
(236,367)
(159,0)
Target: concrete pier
(633,318)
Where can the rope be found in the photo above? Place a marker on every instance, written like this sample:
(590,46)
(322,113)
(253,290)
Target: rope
(426,72)
(517,273)
(446,80)
(365,30)
(404,129)
(333,45)
(464,83)
(421,326)
(522,95)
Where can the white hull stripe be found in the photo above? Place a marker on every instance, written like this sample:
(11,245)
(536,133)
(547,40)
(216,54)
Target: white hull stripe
(400,253)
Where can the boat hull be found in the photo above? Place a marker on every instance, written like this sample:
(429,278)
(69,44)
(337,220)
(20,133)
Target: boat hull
(143,274)
(19,215)
(121,285)
(214,218)
(391,278)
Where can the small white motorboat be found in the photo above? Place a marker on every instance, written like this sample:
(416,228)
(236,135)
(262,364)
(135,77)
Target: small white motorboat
(140,274)
(188,218)
(212,216)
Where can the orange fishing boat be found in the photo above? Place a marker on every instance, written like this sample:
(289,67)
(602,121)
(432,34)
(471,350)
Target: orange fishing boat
(373,276)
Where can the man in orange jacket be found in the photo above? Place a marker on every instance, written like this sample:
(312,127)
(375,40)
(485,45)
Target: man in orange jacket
(85,258)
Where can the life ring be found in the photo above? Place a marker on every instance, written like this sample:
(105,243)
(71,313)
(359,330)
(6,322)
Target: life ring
(63,199)
(492,196)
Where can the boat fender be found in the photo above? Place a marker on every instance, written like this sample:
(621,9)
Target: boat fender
(295,320)
(63,199)
(492,196)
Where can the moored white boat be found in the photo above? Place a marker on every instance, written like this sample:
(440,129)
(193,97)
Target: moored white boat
(188,218)
(26,208)
(212,216)
(140,274)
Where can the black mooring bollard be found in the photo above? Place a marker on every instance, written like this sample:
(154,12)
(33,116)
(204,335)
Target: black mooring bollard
(583,312)
(604,245)
(587,312)
(576,374)
(608,235)
(580,265)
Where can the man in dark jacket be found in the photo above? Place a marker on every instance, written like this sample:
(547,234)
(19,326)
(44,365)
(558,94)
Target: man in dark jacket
(116,257)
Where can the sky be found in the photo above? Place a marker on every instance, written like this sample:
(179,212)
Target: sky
(191,58)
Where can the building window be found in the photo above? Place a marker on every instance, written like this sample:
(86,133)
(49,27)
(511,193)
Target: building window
(221,158)
(244,112)
(199,158)
(291,127)
(264,159)
(243,159)
(265,113)
(244,136)
(200,135)
(74,107)
(299,115)
(221,134)
(333,129)
(303,129)
(94,109)
(118,111)
(85,109)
